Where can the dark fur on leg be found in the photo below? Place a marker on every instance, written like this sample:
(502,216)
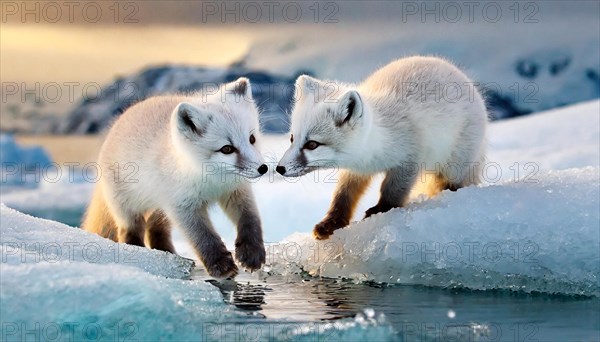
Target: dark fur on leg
(209,247)
(347,193)
(158,232)
(133,234)
(241,208)
(395,189)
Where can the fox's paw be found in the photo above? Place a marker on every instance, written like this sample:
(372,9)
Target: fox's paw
(222,266)
(324,229)
(250,255)
(379,208)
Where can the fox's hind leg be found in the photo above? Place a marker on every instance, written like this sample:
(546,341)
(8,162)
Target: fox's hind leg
(395,189)
(130,225)
(453,177)
(158,232)
(131,230)
(438,183)
(347,193)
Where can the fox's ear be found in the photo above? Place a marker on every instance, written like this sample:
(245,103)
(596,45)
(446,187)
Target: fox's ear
(350,109)
(191,120)
(307,83)
(240,87)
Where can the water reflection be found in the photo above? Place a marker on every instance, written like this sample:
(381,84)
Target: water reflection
(415,312)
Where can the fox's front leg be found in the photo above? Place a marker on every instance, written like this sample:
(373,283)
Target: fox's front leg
(395,189)
(208,244)
(350,188)
(241,209)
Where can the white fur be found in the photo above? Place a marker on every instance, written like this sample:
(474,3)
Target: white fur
(391,125)
(169,166)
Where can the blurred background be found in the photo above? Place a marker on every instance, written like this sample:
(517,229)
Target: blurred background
(70,67)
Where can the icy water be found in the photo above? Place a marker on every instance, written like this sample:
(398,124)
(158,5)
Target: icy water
(271,304)
(415,313)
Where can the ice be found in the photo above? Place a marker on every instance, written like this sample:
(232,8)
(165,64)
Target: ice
(62,284)
(25,239)
(11,152)
(15,158)
(366,326)
(529,236)
(67,301)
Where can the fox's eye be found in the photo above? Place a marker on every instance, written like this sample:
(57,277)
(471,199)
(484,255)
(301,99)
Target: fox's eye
(311,145)
(292,138)
(227,149)
(252,139)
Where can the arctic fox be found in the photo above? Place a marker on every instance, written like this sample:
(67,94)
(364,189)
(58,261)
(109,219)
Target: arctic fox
(166,159)
(415,119)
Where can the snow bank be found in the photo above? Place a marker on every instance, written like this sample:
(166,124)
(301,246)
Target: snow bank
(73,195)
(553,140)
(25,239)
(539,236)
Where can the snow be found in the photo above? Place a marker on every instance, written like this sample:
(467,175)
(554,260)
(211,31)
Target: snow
(553,140)
(74,195)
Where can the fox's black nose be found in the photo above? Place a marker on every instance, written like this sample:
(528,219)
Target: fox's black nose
(263,169)
(280,169)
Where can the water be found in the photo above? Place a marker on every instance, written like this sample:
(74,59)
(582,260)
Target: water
(415,312)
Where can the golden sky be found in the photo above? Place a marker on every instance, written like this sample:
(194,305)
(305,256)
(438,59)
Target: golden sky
(74,53)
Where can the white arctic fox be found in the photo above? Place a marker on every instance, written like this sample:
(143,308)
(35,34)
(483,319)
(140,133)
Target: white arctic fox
(166,159)
(416,118)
